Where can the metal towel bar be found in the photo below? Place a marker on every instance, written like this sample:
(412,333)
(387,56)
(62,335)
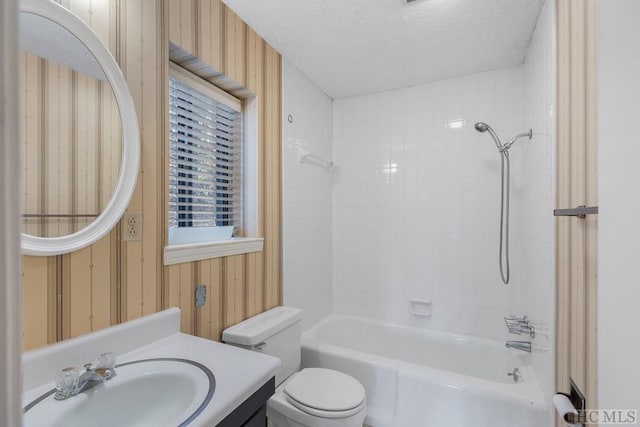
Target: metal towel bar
(581,211)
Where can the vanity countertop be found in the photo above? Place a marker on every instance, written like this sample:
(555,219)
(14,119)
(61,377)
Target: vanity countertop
(238,373)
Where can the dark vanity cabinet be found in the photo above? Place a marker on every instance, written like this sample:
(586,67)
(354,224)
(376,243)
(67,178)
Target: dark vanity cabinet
(253,411)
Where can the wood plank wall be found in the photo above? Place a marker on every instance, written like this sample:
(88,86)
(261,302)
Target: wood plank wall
(72,145)
(114,281)
(576,243)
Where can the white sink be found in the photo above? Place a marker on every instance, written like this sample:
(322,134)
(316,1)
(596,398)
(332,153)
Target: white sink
(154,392)
(159,393)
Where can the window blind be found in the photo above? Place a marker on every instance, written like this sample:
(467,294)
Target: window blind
(204,159)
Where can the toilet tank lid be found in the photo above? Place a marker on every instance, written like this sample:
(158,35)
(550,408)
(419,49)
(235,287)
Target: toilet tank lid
(260,327)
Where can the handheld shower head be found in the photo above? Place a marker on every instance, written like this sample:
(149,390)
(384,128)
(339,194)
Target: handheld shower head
(503,252)
(481,127)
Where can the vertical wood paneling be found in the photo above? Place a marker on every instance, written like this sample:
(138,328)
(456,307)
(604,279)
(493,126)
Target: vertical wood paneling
(203,314)
(72,157)
(239,54)
(187,27)
(132,20)
(576,185)
(172,276)
(79,288)
(272,178)
(101,284)
(32,147)
(36,312)
(229,44)
(175,22)
(185,297)
(254,284)
(111,153)
(83,129)
(214,299)
(85,141)
(52,159)
(254,66)
(114,281)
(204,27)
(233,291)
(577,191)
(210,34)
(151,49)
(64,88)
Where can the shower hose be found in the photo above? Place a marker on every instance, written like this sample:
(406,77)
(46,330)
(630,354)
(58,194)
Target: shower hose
(504,218)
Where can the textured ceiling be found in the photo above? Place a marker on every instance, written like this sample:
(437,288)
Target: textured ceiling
(353,47)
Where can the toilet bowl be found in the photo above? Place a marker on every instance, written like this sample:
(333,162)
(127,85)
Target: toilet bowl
(317,397)
(311,397)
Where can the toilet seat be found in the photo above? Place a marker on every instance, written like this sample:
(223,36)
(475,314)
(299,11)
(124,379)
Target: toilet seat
(325,393)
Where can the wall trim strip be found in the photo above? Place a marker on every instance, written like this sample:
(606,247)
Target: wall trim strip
(10,265)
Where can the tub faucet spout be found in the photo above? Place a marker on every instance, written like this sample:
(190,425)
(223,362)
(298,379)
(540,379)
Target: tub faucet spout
(519,345)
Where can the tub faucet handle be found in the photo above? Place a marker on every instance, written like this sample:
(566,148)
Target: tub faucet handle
(515,374)
(517,320)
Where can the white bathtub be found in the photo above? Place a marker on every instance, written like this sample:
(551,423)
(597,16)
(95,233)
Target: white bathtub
(416,377)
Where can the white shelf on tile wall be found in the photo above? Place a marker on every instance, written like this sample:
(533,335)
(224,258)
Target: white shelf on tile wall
(305,156)
(421,308)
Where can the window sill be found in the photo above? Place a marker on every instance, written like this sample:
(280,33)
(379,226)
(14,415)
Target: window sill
(177,254)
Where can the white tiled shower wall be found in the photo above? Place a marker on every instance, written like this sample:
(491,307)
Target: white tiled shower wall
(417,193)
(533,195)
(416,202)
(306,197)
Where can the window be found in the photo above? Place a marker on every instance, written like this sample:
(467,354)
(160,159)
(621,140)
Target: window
(205,161)
(213,171)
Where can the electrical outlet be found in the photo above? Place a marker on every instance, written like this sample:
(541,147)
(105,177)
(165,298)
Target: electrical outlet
(132,227)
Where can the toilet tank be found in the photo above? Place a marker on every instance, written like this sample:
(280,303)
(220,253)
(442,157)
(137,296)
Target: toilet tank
(276,332)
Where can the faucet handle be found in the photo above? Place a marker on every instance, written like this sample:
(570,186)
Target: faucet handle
(66,382)
(105,365)
(105,361)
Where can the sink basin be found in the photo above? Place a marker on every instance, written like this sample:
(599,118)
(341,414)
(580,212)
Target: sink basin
(150,392)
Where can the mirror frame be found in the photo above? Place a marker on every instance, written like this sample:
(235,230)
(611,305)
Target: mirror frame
(109,217)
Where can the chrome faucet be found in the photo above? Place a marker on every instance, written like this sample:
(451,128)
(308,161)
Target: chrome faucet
(69,382)
(519,345)
(520,325)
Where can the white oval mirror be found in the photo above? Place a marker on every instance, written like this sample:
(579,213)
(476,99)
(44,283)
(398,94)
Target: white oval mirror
(80,137)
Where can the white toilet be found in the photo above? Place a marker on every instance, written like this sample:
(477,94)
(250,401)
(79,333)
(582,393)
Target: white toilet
(312,397)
